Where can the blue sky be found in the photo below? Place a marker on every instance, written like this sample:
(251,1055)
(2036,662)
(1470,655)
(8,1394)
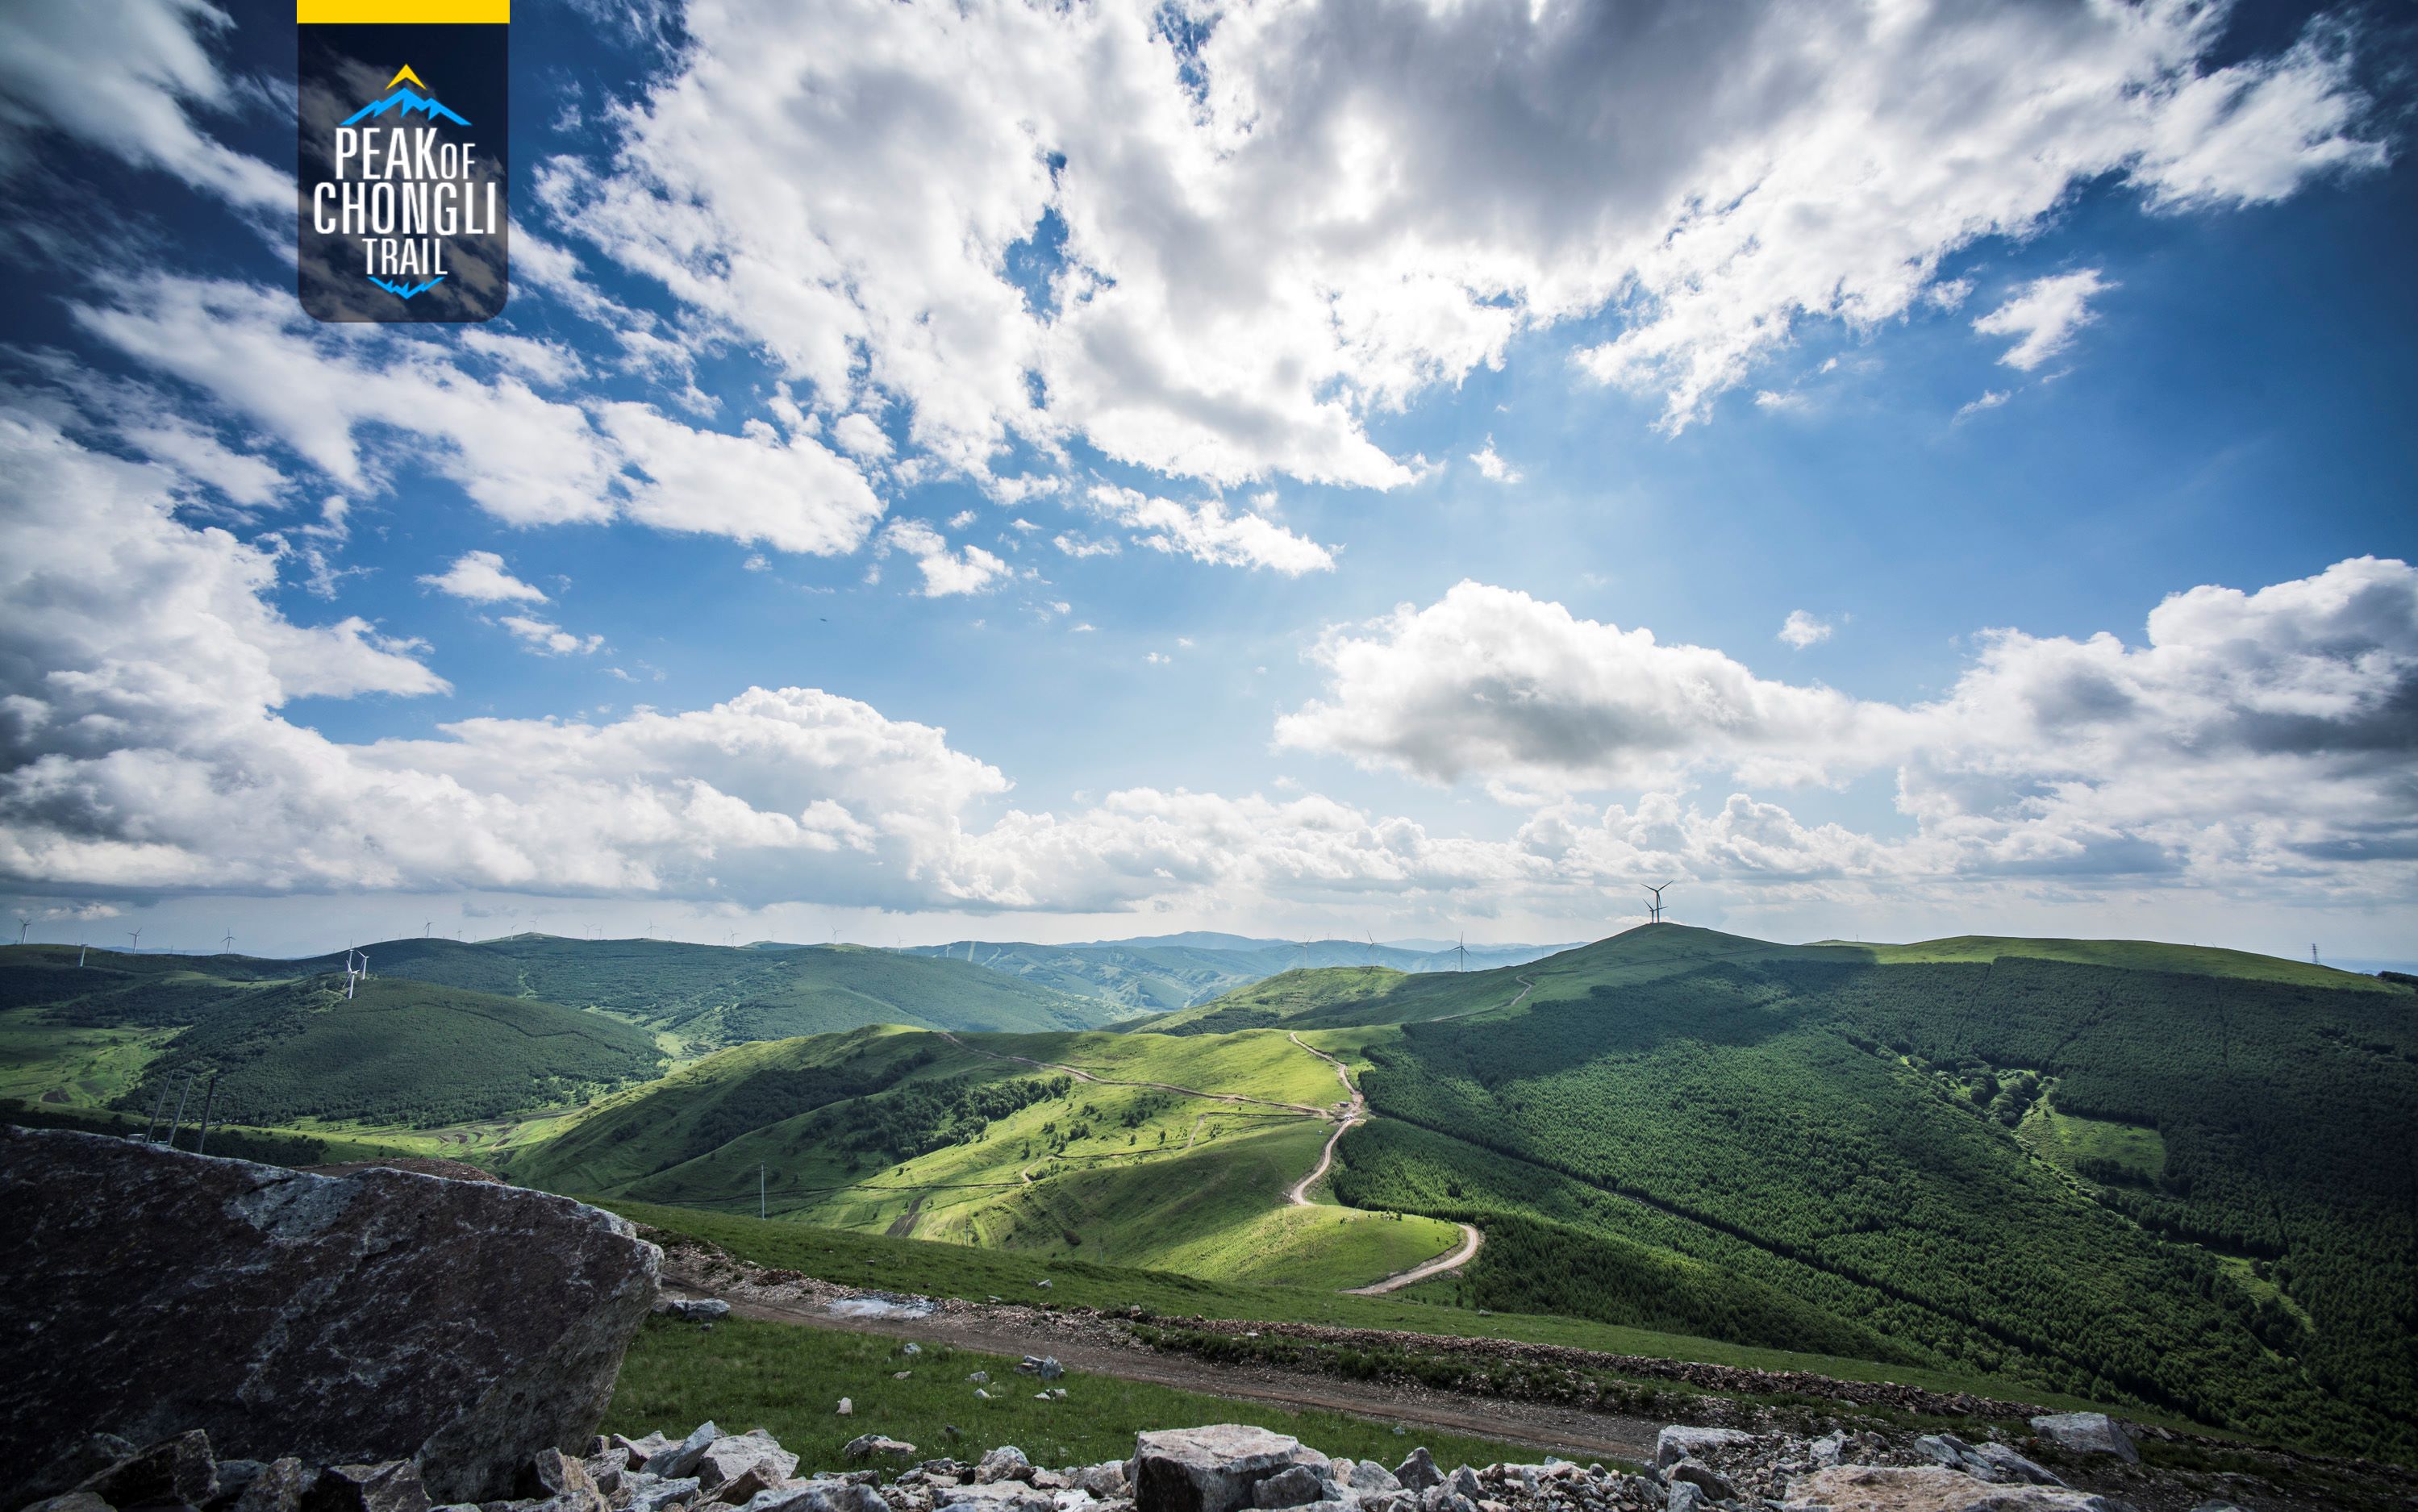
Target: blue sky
(998,472)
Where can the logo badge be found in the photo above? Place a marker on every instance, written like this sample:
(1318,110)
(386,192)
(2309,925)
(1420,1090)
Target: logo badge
(404,182)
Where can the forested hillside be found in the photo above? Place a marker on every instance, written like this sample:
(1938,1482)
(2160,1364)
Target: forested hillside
(1862,1136)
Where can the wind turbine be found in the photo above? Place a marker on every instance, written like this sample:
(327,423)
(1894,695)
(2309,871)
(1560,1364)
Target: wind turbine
(25,924)
(1372,946)
(138,940)
(226,941)
(1462,949)
(1655,910)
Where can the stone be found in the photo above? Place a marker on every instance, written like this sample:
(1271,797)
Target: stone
(2005,1464)
(84,1454)
(980,1378)
(845,1409)
(1211,1469)
(680,1459)
(1418,1472)
(1685,1496)
(1829,1448)
(726,1458)
(651,1495)
(1103,1480)
(911,1348)
(1006,1462)
(694,1309)
(173,1469)
(71,1501)
(867,1445)
(562,1483)
(1928,1488)
(1463,1482)
(1368,1476)
(999,1496)
(1294,1486)
(1678,1443)
(2088,1433)
(232,1478)
(1044,1365)
(280,1487)
(355,1318)
(1697,1472)
(390,1486)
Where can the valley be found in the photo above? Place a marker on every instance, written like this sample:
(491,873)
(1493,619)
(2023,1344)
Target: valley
(2170,1179)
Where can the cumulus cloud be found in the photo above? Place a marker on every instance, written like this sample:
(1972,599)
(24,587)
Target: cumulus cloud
(1206,533)
(1491,466)
(1991,399)
(2252,734)
(482,577)
(967,570)
(2044,315)
(1802,630)
(546,638)
(1255,235)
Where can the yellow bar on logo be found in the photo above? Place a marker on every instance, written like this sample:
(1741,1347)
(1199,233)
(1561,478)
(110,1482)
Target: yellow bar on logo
(400,12)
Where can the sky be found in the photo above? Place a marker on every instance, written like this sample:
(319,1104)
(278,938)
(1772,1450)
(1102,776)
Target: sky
(1072,471)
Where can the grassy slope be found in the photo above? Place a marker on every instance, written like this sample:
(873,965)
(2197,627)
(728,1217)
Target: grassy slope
(940,1270)
(2131,954)
(742,1375)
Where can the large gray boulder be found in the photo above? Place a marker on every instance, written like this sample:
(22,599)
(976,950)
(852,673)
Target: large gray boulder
(1212,1469)
(1678,1443)
(1928,1488)
(2088,1433)
(363,1318)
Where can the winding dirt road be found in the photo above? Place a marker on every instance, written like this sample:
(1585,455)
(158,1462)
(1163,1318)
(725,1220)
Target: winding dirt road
(1470,1240)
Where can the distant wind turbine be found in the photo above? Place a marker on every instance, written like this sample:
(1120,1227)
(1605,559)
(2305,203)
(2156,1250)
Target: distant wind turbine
(226,941)
(25,924)
(138,939)
(1372,946)
(1462,949)
(1655,908)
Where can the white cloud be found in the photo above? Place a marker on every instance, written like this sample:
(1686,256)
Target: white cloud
(135,79)
(482,577)
(1493,466)
(962,519)
(1206,533)
(861,435)
(1991,399)
(792,492)
(1317,214)
(2044,314)
(546,638)
(968,570)
(1079,546)
(2252,736)
(1802,630)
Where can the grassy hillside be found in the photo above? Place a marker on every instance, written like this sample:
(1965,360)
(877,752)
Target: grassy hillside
(708,996)
(2206,1225)
(397,1051)
(1046,1144)
(1166,976)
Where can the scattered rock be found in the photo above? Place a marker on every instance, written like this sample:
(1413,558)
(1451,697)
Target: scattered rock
(979,1377)
(867,1445)
(680,1459)
(280,1487)
(2088,1433)
(694,1309)
(1006,1462)
(1368,1476)
(1676,1442)
(1044,1365)
(71,1501)
(1294,1486)
(1211,1469)
(1697,1472)
(562,1483)
(1419,1472)
(1687,1496)
(655,1495)
(728,1458)
(847,1408)
(1928,1488)
(390,1486)
(365,1318)
(1103,1481)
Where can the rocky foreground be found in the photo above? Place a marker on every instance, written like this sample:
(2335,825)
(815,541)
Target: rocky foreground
(1221,1468)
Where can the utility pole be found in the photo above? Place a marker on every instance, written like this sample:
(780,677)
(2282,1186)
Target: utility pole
(157,1109)
(178,1122)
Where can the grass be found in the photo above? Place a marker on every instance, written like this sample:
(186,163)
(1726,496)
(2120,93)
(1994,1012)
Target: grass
(2136,955)
(787,1379)
(2090,1147)
(71,1067)
(938,1270)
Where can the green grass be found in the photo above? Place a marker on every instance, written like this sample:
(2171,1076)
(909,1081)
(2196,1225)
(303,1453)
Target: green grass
(936,1270)
(742,1374)
(68,1067)
(2131,954)
(2093,1149)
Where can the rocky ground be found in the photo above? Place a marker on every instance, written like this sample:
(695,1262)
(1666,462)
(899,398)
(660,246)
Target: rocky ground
(1218,1468)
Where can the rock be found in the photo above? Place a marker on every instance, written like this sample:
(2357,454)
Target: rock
(71,1501)
(1697,1472)
(170,1471)
(1463,1482)
(563,1484)
(358,1319)
(867,1445)
(85,1455)
(1928,1488)
(1043,1285)
(980,1378)
(2088,1433)
(998,1496)
(1445,1499)
(2006,1465)
(2216,1506)
(1296,1486)
(1685,1496)
(653,1495)
(1676,1442)
(728,1459)
(1368,1476)
(982,1393)
(280,1487)
(846,1408)
(1103,1480)
(1211,1469)
(911,1348)
(607,1467)
(680,1459)
(1044,1365)
(1418,1472)
(694,1309)
(641,1450)
(390,1486)
(1006,1462)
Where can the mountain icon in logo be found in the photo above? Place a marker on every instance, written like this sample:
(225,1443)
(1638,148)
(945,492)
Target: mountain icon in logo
(408,102)
(405,291)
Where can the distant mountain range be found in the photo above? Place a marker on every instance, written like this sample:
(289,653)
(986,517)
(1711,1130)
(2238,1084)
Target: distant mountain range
(1165,973)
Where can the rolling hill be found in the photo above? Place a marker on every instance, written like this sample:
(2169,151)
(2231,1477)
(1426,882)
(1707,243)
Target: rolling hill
(1170,972)
(2136,1172)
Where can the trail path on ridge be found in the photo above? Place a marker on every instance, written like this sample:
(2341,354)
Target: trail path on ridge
(1358,1112)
